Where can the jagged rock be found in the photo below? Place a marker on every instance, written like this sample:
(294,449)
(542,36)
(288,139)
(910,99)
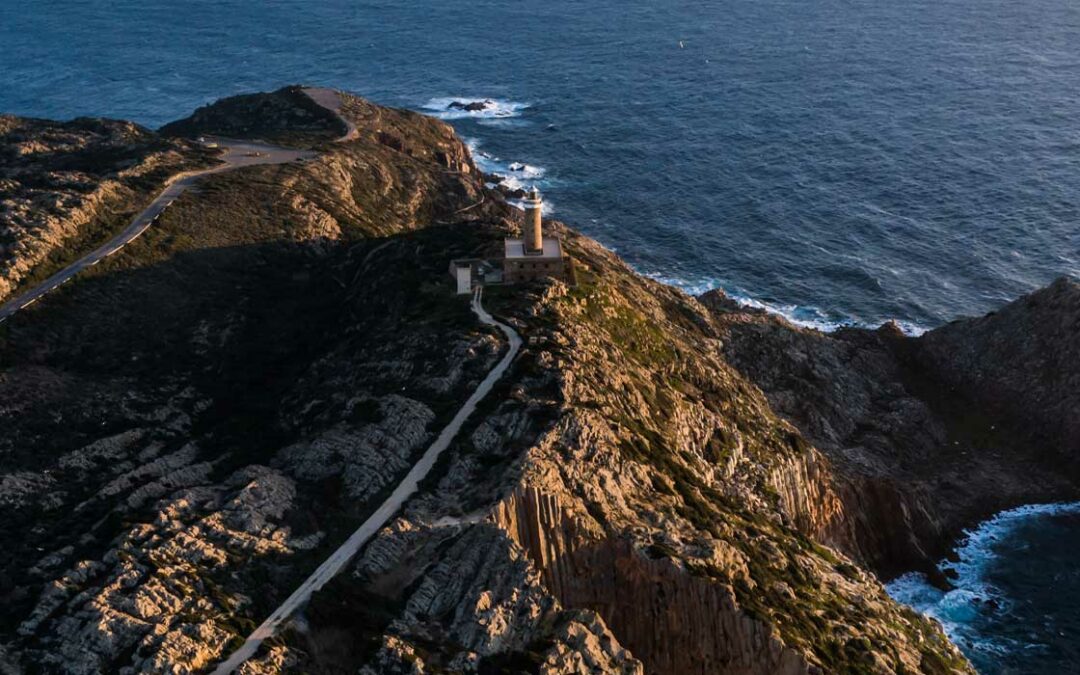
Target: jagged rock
(470,106)
(659,484)
(369,458)
(1022,362)
(902,419)
(61,180)
(277,660)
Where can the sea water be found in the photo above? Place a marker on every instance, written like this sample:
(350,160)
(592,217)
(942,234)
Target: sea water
(1012,608)
(837,161)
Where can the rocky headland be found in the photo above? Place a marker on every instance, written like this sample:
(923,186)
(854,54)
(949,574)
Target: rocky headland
(64,185)
(660,484)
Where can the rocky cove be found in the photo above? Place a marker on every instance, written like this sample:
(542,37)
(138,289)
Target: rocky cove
(660,484)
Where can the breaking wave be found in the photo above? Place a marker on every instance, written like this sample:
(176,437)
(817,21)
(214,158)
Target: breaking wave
(512,175)
(971,611)
(484,109)
(800,315)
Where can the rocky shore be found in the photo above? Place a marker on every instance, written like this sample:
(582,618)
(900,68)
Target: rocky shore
(660,484)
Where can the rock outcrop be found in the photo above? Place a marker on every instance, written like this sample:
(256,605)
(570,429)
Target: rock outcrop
(65,185)
(286,116)
(1021,363)
(926,435)
(659,484)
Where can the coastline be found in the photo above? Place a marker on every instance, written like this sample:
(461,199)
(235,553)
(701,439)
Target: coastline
(971,601)
(716,487)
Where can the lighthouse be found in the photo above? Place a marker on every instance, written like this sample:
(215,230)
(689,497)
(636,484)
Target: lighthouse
(533,230)
(533,256)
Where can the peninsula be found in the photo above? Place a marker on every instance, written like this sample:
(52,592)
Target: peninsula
(251,426)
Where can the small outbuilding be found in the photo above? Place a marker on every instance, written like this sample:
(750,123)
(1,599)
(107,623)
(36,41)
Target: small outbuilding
(463,277)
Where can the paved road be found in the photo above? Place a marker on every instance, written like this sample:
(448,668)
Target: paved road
(339,558)
(237,154)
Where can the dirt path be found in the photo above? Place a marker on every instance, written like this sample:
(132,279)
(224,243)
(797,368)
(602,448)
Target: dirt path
(237,154)
(339,558)
(331,100)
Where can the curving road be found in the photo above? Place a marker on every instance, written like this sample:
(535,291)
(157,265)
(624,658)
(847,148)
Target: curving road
(248,153)
(339,558)
(236,154)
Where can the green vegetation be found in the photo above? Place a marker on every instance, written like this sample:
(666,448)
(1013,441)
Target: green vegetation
(102,159)
(794,584)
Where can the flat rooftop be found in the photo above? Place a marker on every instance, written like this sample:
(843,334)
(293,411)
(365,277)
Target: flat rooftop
(515,248)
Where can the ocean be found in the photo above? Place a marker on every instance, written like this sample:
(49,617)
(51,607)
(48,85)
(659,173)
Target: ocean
(842,162)
(1013,607)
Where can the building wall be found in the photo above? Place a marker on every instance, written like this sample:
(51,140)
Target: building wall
(533,230)
(463,276)
(516,271)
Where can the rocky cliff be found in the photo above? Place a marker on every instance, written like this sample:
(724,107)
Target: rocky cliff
(286,116)
(65,185)
(926,435)
(660,484)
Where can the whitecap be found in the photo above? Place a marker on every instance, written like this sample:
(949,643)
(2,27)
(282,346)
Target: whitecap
(513,175)
(546,208)
(977,549)
(494,108)
(973,595)
(804,316)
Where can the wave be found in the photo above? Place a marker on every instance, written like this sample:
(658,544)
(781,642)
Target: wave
(804,316)
(973,596)
(486,109)
(512,175)
(547,208)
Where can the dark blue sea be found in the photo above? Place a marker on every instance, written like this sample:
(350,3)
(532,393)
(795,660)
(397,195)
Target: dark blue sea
(838,161)
(1013,607)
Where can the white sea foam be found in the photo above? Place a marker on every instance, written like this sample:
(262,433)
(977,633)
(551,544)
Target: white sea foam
(973,595)
(800,315)
(547,208)
(494,108)
(514,175)
(521,176)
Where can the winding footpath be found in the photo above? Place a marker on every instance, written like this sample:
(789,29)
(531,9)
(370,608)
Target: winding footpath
(329,99)
(249,153)
(237,154)
(341,557)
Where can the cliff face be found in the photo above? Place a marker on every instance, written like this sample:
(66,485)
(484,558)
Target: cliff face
(663,494)
(65,185)
(1021,363)
(926,435)
(196,423)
